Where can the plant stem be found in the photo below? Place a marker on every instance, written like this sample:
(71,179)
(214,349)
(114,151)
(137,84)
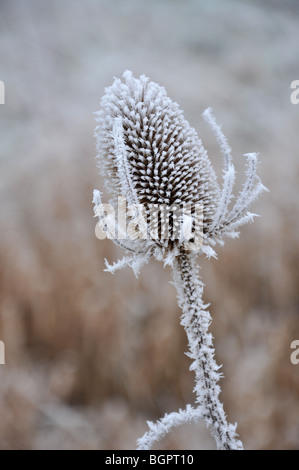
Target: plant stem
(196,321)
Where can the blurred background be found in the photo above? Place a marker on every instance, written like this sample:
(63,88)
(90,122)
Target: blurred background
(90,356)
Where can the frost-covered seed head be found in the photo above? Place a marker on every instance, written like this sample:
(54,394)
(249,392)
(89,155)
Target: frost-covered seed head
(149,154)
(166,160)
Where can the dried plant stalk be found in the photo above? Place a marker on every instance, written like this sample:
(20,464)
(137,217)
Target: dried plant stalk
(196,320)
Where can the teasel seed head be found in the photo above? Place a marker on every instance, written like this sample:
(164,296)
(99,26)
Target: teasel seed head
(148,153)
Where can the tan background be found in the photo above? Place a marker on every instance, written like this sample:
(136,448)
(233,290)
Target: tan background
(90,356)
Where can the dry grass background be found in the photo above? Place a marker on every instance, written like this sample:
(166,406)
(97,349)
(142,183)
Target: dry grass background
(89,356)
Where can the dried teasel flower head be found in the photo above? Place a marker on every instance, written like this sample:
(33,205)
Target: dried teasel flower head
(149,154)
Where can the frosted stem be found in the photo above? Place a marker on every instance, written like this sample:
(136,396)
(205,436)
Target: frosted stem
(196,320)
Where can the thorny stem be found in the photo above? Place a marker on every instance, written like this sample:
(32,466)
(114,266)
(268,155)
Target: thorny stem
(196,320)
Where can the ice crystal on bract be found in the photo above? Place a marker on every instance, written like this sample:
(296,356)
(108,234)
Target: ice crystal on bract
(150,155)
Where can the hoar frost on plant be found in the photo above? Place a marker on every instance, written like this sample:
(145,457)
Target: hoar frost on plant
(148,153)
